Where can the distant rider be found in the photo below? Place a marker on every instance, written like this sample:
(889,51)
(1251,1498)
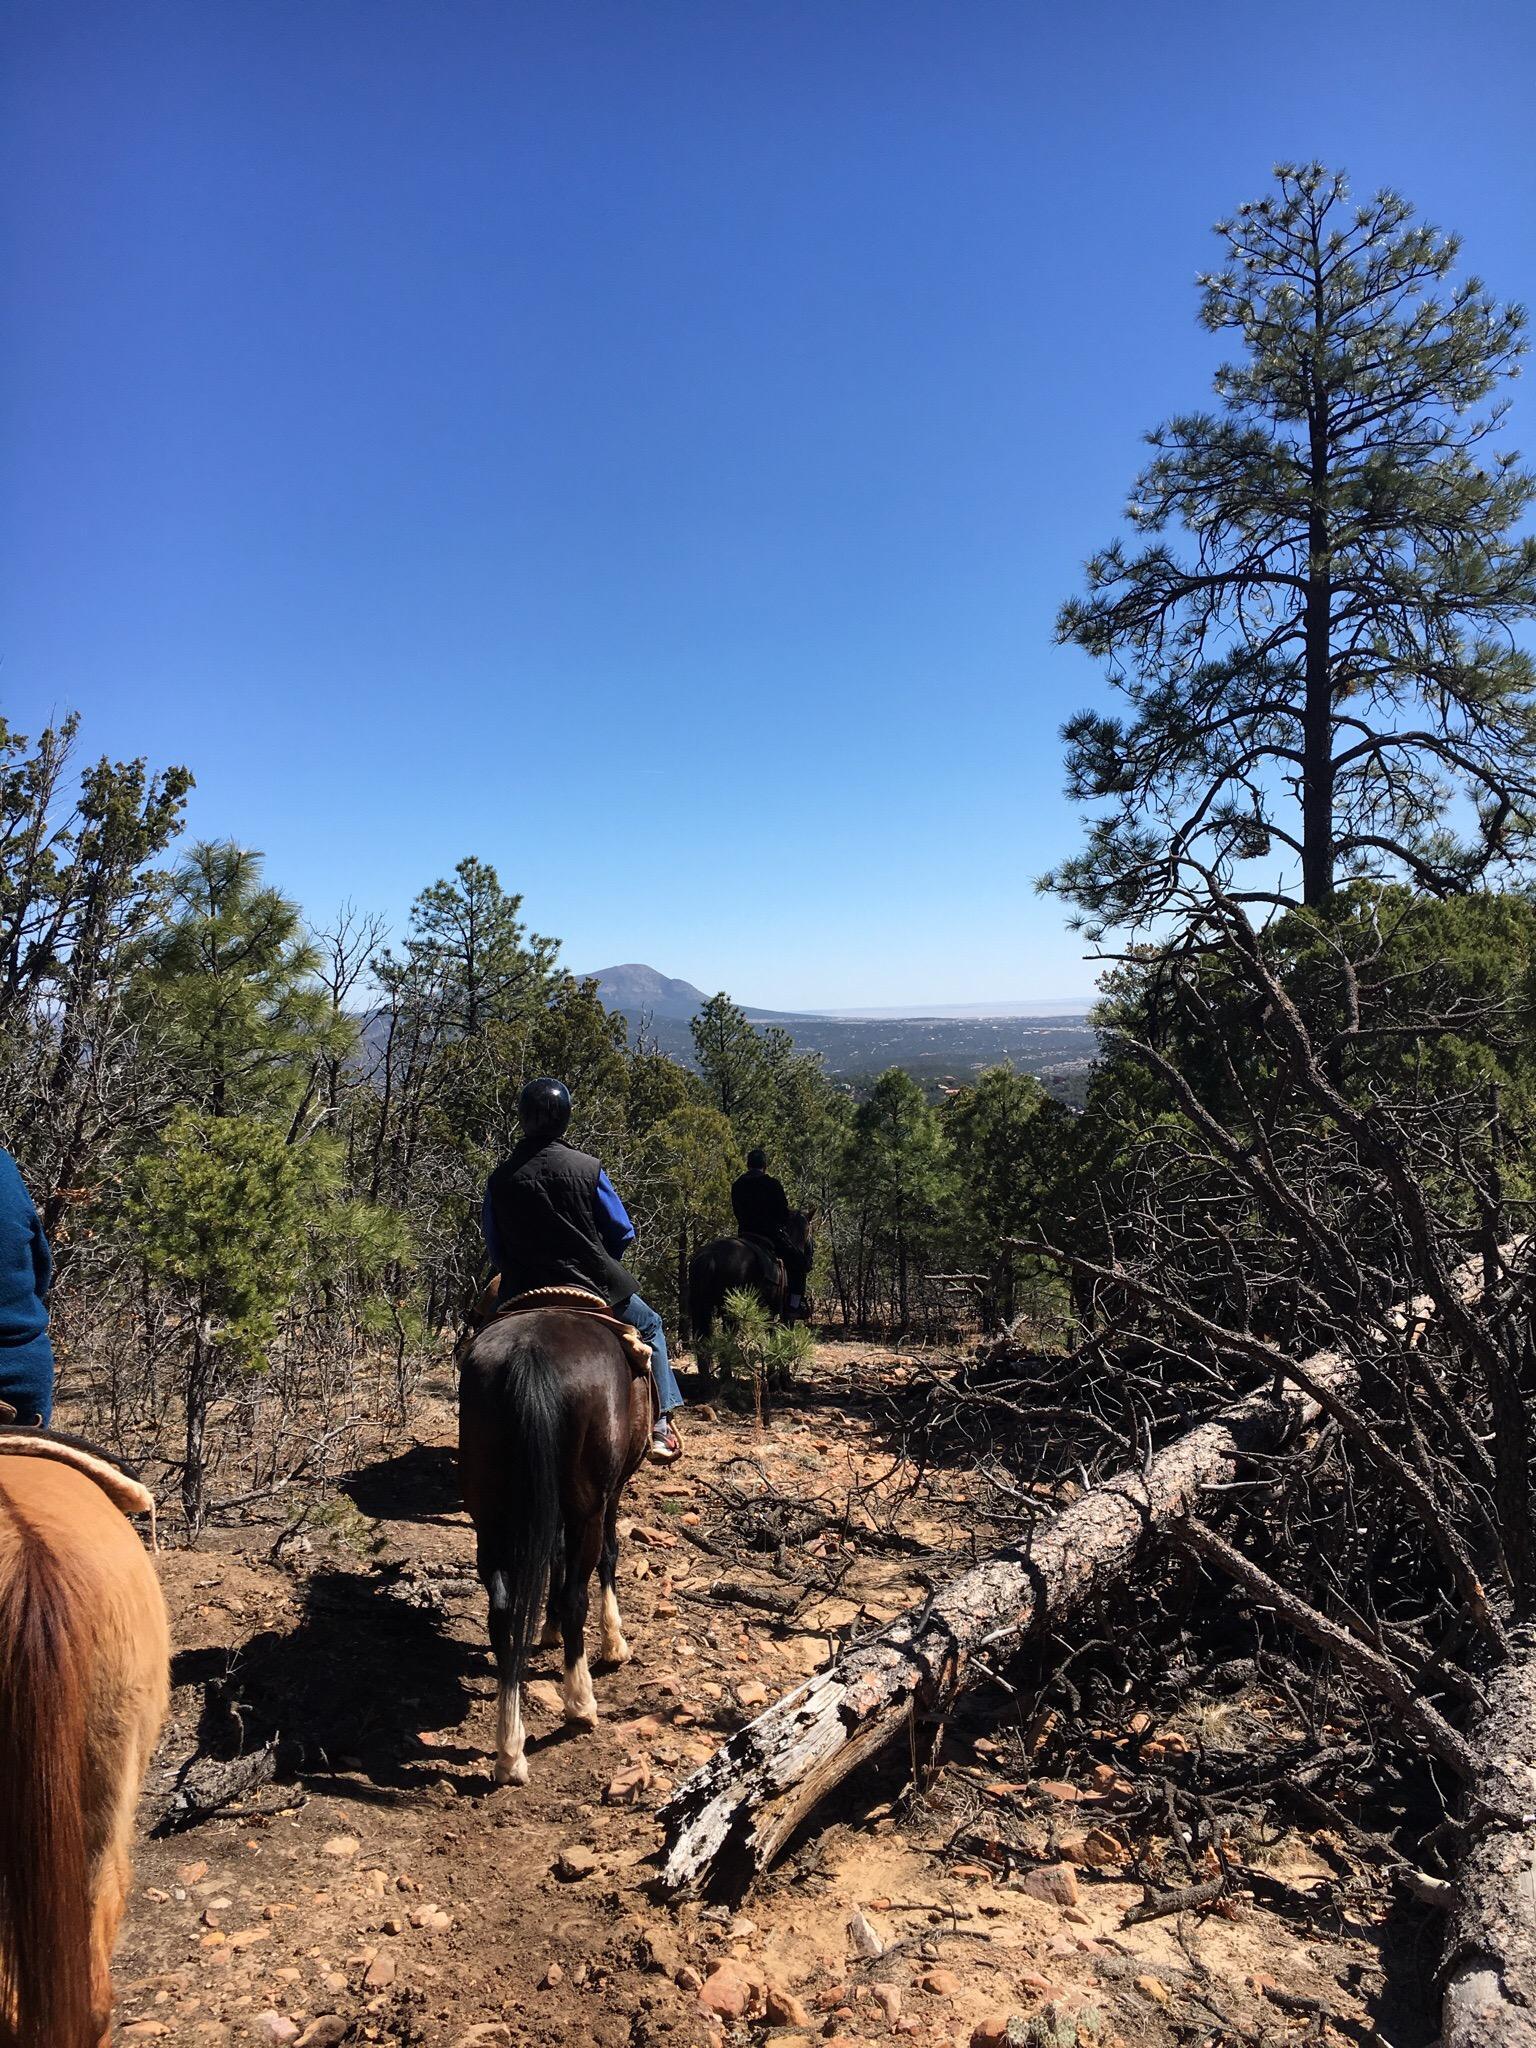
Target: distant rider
(762,1210)
(551,1218)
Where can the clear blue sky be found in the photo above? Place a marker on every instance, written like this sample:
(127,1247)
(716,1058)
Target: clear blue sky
(646,444)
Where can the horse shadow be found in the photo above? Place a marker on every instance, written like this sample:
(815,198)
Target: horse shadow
(354,1698)
(418,1485)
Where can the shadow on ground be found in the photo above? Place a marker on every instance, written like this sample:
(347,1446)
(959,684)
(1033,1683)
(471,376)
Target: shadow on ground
(418,1485)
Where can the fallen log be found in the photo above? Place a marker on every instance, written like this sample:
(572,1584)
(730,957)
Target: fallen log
(733,1816)
(1489,1966)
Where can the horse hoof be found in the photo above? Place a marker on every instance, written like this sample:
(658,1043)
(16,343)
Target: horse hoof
(511,1770)
(617,1653)
(551,1638)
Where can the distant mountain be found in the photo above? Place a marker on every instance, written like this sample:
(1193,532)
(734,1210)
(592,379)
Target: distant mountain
(939,1048)
(636,989)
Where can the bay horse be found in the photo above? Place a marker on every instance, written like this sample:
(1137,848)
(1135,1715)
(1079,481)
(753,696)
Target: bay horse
(553,1421)
(84,1684)
(772,1272)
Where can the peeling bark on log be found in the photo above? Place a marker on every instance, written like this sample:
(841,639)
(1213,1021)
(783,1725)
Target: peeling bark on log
(732,1817)
(1489,1965)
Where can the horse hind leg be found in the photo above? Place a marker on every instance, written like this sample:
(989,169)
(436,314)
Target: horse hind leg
(614,1648)
(552,1636)
(511,1765)
(583,1544)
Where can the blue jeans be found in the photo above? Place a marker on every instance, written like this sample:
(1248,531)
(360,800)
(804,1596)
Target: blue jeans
(642,1317)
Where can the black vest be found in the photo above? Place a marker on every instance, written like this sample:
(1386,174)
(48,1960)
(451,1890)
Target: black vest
(544,1200)
(762,1208)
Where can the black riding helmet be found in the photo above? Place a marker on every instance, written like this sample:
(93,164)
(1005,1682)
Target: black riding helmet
(757,1158)
(544,1108)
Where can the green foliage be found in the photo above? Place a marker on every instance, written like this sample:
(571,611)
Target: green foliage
(898,1177)
(749,1344)
(1008,1139)
(230,988)
(1329,659)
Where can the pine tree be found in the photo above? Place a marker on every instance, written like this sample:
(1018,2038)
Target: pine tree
(899,1165)
(1322,678)
(731,1060)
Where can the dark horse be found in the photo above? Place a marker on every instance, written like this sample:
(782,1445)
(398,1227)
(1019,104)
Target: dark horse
(772,1271)
(553,1419)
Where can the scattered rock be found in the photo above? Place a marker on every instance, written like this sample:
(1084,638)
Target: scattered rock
(544,1693)
(783,2009)
(274,2027)
(1154,1988)
(730,1991)
(380,1972)
(888,1998)
(489,2034)
(686,1977)
(342,1847)
(575,1863)
(1055,1883)
(942,1983)
(863,1937)
(249,1936)
(626,1789)
(552,1976)
(432,1918)
(1098,1849)
(660,1951)
(326,2032)
(998,2030)
(191,1873)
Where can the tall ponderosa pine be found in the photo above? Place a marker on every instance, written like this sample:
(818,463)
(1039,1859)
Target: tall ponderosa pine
(1323,670)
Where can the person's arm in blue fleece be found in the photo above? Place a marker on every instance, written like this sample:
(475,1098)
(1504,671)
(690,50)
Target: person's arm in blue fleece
(488,1231)
(613,1224)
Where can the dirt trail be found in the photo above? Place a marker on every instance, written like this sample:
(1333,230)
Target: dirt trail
(398,1898)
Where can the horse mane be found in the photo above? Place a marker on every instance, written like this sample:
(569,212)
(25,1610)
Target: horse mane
(45,1893)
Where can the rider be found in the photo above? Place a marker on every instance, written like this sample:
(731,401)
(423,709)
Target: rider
(26,1272)
(762,1210)
(551,1218)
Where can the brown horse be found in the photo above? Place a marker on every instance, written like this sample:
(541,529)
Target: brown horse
(553,1420)
(84,1681)
(772,1271)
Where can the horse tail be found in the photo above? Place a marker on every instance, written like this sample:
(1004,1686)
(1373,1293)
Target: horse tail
(46,1987)
(518,1548)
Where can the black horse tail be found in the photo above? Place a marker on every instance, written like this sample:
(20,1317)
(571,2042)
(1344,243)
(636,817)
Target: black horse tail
(520,1544)
(701,1297)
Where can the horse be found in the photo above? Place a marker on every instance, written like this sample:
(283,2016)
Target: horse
(85,1657)
(771,1271)
(553,1421)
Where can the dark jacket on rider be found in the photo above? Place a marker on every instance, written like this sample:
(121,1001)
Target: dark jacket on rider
(548,1211)
(761,1205)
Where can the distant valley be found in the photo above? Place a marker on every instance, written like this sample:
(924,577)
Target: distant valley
(938,1050)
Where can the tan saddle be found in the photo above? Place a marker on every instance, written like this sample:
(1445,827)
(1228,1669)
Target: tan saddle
(31,1440)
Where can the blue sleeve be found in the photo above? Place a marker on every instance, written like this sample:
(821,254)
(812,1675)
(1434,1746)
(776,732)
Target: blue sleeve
(488,1232)
(42,1259)
(613,1224)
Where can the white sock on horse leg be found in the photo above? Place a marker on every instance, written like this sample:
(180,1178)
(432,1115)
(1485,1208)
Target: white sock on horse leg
(615,1649)
(511,1764)
(580,1700)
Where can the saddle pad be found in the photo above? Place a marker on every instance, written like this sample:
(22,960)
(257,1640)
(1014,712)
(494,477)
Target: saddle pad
(577,1300)
(130,1495)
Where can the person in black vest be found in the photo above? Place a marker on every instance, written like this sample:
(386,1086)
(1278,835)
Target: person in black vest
(762,1210)
(552,1218)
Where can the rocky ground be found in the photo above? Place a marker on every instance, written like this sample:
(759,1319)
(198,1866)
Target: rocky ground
(324,1859)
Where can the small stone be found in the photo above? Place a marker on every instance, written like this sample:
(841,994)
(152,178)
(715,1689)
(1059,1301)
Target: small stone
(863,1937)
(686,1977)
(1055,1883)
(1154,1988)
(249,1936)
(783,2009)
(552,1976)
(329,2031)
(406,1884)
(997,2031)
(489,2034)
(380,1971)
(888,1998)
(941,1983)
(626,1789)
(274,2027)
(751,1694)
(575,1863)
(393,1924)
(341,1847)
(144,2030)
(191,1873)
(432,1918)
(660,1951)
(729,1991)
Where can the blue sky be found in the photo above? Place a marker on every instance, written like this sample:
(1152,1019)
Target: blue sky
(646,444)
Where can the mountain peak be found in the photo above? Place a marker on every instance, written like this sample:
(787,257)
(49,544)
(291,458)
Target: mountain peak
(634,987)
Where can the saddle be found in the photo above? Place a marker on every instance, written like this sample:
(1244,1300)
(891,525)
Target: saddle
(580,1302)
(119,1483)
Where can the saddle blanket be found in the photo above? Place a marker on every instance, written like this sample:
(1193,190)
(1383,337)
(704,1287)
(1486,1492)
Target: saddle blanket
(121,1488)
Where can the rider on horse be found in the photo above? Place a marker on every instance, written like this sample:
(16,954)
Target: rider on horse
(762,1210)
(552,1218)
